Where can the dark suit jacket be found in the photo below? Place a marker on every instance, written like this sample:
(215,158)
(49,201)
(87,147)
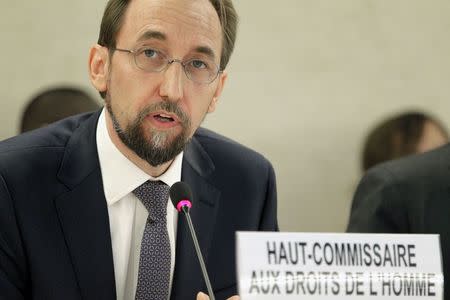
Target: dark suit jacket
(55,240)
(410,195)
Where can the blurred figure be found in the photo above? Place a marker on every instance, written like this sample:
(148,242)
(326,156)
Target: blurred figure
(402,135)
(55,104)
(410,194)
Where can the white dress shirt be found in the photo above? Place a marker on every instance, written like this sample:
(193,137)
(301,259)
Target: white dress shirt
(127,214)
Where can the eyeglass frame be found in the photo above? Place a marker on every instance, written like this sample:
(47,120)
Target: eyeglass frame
(170,61)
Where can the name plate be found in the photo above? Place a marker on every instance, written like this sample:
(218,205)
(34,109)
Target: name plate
(282,265)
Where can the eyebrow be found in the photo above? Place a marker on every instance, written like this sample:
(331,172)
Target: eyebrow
(158,35)
(151,34)
(206,50)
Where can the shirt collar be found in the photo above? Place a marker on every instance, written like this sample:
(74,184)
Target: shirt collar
(120,176)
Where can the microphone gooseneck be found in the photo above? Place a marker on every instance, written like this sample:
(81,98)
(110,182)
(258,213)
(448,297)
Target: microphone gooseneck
(181,197)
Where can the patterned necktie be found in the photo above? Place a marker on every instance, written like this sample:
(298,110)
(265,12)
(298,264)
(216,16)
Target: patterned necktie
(154,261)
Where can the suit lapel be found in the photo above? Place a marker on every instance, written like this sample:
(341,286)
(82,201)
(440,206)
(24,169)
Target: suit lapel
(83,215)
(197,166)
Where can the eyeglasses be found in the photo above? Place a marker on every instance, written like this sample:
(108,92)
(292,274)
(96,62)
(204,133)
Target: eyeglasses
(199,70)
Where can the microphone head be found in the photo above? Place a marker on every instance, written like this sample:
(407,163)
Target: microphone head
(181,195)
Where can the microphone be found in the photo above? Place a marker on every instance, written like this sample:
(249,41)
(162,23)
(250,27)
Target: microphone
(181,196)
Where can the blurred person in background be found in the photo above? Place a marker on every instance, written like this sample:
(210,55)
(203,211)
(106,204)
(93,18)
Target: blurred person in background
(401,135)
(410,194)
(55,104)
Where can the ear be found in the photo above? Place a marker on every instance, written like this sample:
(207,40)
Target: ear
(222,79)
(98,67)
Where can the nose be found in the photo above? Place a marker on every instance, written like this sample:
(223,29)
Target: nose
(173,82)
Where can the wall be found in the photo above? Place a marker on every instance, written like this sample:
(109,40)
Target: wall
(307,80)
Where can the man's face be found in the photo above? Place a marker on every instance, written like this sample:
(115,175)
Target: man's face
(155,114)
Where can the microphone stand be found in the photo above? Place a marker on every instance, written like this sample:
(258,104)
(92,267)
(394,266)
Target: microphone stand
(185,210)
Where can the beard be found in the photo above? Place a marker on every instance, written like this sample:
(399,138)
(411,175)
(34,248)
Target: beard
(154,146)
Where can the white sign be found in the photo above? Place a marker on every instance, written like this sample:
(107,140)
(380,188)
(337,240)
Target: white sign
(281,265)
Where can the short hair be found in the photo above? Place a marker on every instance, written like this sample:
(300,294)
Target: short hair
(396,137)
(112,22)
(55,104)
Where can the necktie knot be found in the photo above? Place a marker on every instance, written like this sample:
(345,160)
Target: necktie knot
(154,196)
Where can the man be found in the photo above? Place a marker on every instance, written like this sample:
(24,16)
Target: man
(84,211)
(409,195)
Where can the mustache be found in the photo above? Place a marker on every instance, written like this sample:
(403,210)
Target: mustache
(170,107)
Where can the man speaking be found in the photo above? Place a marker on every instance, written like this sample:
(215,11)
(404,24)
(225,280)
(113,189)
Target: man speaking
(84,210)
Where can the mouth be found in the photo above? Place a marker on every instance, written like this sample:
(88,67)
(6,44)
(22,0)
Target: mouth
(164,119)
